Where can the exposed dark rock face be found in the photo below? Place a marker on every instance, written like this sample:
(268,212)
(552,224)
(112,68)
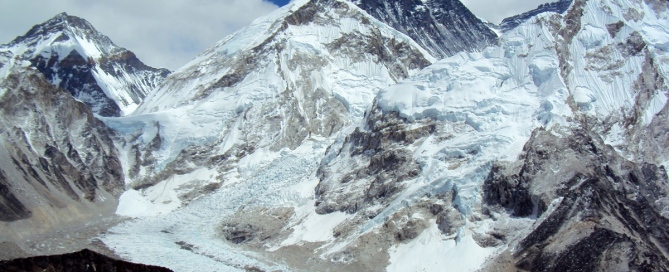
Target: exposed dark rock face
(11,208)
(75,75)
(622,232)
(444,27)
(240,233)
(609,217)
(651,139)
(572,25)
(449,221)
(558,7)
(405,230)
(64,62)
(256,225)
(381,163)
(82,261)
(55,154)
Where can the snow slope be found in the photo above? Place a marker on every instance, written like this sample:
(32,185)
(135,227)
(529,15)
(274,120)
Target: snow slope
(485,106)
(300,111)
(598,65)
(305,71)
(159,239)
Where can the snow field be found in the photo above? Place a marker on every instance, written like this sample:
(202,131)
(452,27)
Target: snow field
(486,105)
(152,240)
(431,251)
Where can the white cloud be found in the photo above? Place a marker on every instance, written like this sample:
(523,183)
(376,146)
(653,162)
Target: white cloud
(161,33)
(169,33)
(496,10)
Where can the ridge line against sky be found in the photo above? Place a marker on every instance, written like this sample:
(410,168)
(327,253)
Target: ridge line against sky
(171,33)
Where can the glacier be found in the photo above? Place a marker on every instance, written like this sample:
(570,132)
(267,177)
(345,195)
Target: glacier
(478,108)
(323,137)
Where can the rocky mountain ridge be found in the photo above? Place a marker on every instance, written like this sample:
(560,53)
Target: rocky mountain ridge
(324,137)
(612,212)
(74,56)
(85,260)
(60,164)
(299,74)
(556,7)
(443,28)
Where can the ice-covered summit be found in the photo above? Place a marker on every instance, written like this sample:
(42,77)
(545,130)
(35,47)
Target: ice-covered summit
(306,70)
(557,7)
(323,137)
(472,157)
(73,55)
(444,28)
(65,26)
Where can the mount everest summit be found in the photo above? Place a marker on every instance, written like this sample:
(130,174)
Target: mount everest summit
(336,135)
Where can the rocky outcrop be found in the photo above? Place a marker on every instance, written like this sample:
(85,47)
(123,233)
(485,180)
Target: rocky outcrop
(75,75)
(444,28)
(609,212)
(11,208)
(85,260)
(371,164)
(59,163)
(557,7)
(256,225)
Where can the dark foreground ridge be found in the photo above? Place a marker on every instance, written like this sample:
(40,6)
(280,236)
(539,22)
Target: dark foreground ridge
(81,261)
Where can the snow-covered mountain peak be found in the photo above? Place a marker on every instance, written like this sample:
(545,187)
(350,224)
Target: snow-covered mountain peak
(73,55)
(298,12)
(64,28)
(436,29)
(306,27)
(444,28)
(557,7)
(597,65)
(326,137)
(303,72)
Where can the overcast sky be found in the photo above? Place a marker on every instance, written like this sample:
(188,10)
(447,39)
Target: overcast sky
(168,33)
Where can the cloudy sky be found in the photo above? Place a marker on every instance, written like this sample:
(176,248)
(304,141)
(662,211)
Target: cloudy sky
(170,33)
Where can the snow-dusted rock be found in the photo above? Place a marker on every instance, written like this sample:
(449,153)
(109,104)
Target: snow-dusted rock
(444,28)
(59,165)
(305,71)
(74,56)
(325,139)
(594,67)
